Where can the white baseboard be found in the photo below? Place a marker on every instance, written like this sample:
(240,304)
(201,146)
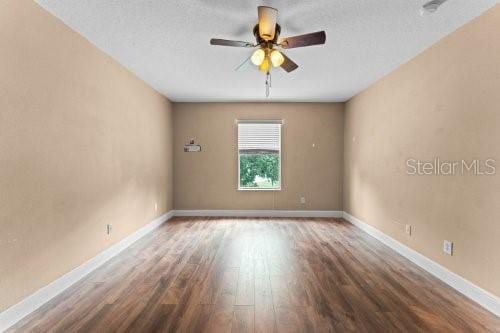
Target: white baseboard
(475,293)
(18,311)
(260,213)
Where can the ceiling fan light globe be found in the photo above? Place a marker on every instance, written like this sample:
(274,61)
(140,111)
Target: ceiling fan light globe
(277,58)
(258,57)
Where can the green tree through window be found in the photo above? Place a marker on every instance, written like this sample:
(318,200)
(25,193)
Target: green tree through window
(259,170)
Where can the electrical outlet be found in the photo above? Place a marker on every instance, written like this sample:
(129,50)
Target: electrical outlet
(448,247)
(408,229)
(109,228)
(302,200)
(156,206)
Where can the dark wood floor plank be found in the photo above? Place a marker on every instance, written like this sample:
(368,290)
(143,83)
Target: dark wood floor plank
(259,275)
(179,286)
(243,320)
(246,282)
(265,320)
(221,319)
(293,319)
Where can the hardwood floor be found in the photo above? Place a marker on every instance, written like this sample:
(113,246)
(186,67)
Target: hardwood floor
(259,275)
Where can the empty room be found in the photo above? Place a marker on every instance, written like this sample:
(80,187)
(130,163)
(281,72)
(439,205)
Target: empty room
(249,166)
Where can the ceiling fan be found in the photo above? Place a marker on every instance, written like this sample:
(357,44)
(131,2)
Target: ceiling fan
(268,54)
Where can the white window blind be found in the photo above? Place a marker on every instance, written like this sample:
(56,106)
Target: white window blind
(259,138)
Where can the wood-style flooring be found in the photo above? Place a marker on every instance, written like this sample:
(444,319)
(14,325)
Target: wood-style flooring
(259,275)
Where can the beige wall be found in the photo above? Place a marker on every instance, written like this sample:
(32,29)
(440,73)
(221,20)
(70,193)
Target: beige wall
(83,143)
(208,180)
(444,103)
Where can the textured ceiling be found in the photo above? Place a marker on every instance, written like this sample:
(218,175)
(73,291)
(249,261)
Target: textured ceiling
(166,43)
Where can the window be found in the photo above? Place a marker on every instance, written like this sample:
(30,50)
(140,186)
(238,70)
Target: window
(259,155)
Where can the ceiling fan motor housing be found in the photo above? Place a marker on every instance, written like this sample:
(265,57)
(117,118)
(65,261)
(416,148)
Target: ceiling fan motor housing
(262,41)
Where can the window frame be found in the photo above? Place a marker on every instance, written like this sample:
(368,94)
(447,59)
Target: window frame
(248,121)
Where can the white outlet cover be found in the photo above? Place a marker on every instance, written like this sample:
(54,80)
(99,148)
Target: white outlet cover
(408,229)
(448,247)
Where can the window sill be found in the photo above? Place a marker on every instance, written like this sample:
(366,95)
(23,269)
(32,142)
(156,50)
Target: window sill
(259,189)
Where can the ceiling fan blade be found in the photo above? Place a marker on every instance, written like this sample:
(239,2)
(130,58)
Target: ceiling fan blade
(288,65)
(244,65)
(267,22)
(314,38)
(225,42)
(433,5)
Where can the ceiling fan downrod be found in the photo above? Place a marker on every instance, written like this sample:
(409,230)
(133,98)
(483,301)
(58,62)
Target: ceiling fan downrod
(268,83)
